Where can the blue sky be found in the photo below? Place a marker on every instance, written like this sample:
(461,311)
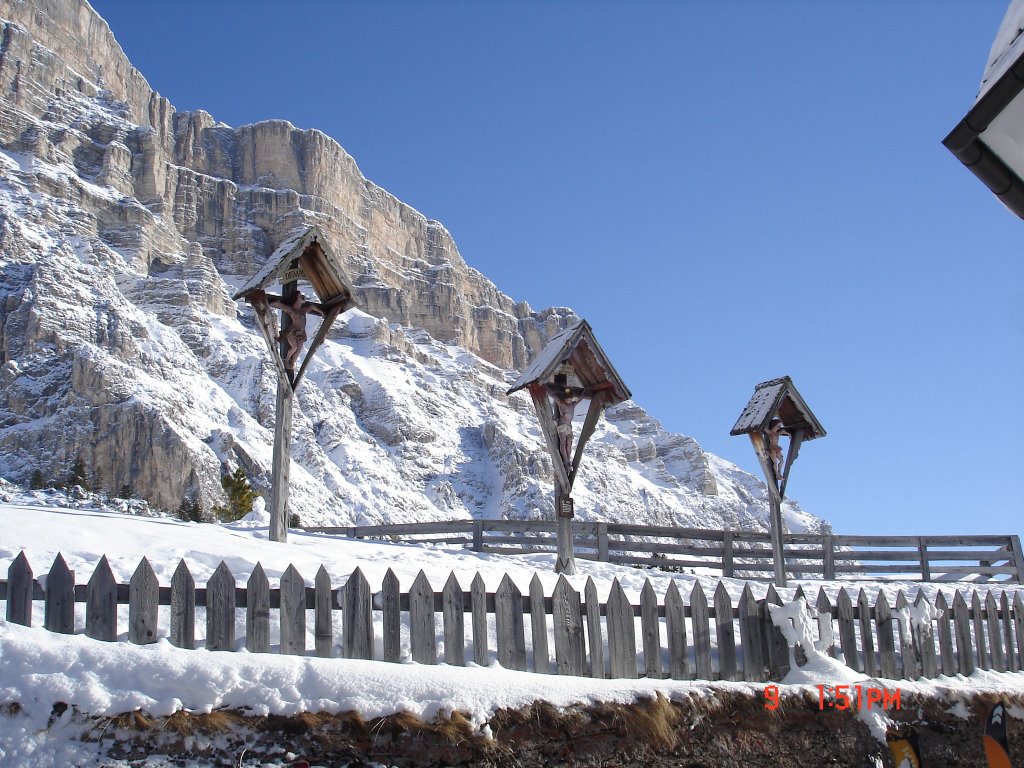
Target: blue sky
(727,191)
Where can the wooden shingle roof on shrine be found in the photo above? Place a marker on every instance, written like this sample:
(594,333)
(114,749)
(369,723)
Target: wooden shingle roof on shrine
(317,265)
(577,346)
(778,397)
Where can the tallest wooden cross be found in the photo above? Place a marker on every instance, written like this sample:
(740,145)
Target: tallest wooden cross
(571,368)
(777,407)
(304,255)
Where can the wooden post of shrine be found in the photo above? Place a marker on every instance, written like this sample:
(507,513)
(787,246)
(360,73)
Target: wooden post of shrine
(777,410)
(571,368)
(302,256)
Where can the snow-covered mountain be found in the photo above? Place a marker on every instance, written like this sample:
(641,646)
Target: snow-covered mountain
(125,227)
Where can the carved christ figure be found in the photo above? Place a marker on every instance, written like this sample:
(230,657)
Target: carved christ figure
(775,430)
(565,401)
(295,336)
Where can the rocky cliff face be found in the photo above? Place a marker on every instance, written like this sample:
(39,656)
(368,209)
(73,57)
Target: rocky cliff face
(125,227)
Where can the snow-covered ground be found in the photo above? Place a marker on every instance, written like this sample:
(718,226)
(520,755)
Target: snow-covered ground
(39,668)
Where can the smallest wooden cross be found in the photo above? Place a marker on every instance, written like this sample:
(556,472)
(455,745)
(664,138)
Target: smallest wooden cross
(303,255)
(571,368)
(777,410)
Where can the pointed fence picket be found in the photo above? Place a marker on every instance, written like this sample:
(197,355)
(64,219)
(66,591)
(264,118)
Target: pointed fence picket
(980,629)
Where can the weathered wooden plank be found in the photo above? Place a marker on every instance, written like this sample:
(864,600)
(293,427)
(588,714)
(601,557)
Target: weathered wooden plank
(675,627)
(257,611)
(726,633)
(220,610)
(392,617)
(946,656)
(1018,556)
(453,618)
(922,548)
(727,554)
(20,585)
(908,639)
(478,603)
(828,552)
(1018,627)
(1008,645)
(602,542)
(422,630)
(867,633)
(775,642)
(978,623)
(926,638)
(357,618)
(594,637)
(508,625)
(886,642)
(650,630)
(323,615)
(538,628)
(101,603)
(567,621)
(824,608)
(995,635)
(293,612)
(183,608)
(701,633)
(621,634)
(59,613)
(961,626)
(751,637)
(143,604)
(847,632)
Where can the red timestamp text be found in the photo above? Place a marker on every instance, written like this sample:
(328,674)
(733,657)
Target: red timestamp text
(856,697)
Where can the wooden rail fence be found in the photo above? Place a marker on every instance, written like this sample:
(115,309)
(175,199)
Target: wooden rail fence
(738,554)
(590,638)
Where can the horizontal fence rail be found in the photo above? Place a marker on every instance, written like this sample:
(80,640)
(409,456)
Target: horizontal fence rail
(667,636)
(736,554)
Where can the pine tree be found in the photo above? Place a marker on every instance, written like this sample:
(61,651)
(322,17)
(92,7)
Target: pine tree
(240,496)
(37,482)
(78,475)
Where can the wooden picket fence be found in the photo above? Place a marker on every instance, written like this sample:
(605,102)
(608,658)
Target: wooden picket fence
(591,638)
(736,554)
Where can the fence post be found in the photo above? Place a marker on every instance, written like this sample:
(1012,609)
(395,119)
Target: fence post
(979,631)
(19,591)
(60,598)
(621,634)
(847,633)
(422,632)
(508,624)
(143,603)
(750,637)
(824,609)
(101,603)
(594,637)
(478,602)
(867,632)
(453,621)
(323,624)
(994,635)
(726,633)
(775,641)
(961,622)
(1011,654)
(357,618)
(926,569)
(650,631)
(538,628)
(926,641)
(701,633)
(828,553)
(392,619)
(945,636)
(183,608)
(602,542)
(1018,627)
(1018,556)
(908,649)
(293,612)
(675,625)
(478,535)
(727,563)
(257,611)
(220,610)
(568,628)
(886,644)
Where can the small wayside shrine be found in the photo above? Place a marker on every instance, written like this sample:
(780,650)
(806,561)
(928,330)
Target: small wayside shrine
(774,411)
(571,368)
(303,256)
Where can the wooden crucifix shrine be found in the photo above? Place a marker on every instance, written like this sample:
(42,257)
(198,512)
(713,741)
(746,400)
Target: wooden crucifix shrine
(303,256)
(571,368)
(776,410)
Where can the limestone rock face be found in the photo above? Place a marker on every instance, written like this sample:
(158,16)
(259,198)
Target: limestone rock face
(125,227)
